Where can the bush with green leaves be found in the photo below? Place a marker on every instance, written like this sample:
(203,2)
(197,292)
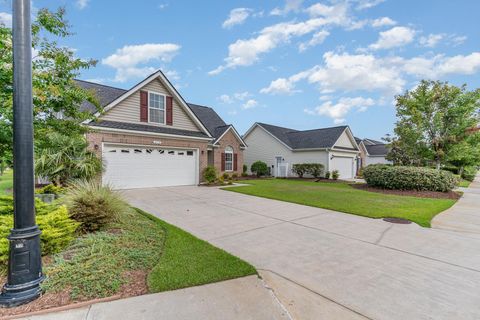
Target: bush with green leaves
(469,173)
(327,175)
(94,205)
(244,169)
(259,168)
(225,176)
(313,169)
(300,169)
(335,174)
(58,228)
(51,189)
(235,176)
(210,174)
(409,178)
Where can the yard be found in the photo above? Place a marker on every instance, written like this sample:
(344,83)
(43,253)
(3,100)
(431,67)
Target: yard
(6,182)
(344,198)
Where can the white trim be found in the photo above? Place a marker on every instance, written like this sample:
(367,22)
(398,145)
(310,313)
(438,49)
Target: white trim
(343,150)
(232,152)
(100,129)
(350,136)
(159,74)
(164,107)
(230,127)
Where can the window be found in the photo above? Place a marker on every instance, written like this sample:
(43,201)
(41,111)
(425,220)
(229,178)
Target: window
(189,153)
(125,151)
(181,153)
(171,152)
(114,150)
(156,108)
(161,151)
(137,151)
(229,159)
(149,151)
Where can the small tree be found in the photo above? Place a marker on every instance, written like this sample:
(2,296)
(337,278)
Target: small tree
(259,168)
(210,174)
(316,169)
(62,158)
(300,169)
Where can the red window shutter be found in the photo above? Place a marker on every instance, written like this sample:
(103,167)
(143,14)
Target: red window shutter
(235,162)
(169,111)
(223,161)
(143,106)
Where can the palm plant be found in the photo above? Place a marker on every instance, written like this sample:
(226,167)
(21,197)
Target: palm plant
(61,158)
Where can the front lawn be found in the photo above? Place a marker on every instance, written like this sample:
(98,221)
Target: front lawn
(464,183)
(6,182)
(344,198)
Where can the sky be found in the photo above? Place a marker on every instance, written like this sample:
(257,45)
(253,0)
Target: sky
(293,63)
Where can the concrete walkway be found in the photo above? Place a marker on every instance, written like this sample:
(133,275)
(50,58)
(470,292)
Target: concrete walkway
(464,216)
(218,301)
(325,264)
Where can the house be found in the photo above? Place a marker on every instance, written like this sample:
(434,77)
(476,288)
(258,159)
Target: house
(281,148)
(149,136)
(371,152)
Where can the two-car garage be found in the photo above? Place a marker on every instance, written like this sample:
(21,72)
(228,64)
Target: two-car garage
(128,167)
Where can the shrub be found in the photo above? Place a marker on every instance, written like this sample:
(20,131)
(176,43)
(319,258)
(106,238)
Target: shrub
(259,168)
(221,180)
(469,173)
(409,178)
(235,176)
(51,189)
(210,174)
(315,169)
(335,174)
(244,174)
(327,175)
(300,169)
(58,229)
(226,176)
(93,204)
(245,169)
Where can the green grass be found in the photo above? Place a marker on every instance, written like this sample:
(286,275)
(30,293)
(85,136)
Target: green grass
(188,261)
(6,182)
(95,265)
(464,183)
(344,198)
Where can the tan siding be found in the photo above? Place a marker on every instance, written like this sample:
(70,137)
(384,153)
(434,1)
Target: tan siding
(129,109)
(344,141)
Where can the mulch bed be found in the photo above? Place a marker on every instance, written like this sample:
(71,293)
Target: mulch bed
(136,285)
(412,193)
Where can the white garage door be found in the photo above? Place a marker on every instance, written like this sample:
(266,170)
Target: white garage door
(344,167)
(144,167)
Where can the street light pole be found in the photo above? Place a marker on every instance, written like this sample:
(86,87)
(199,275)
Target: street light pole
(24,264)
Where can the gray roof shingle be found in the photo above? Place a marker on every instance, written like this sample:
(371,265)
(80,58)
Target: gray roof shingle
(380,149)
(306,139)
(210,119)
(105,94)
(146,128)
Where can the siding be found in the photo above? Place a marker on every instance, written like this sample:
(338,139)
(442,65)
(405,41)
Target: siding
(129,110)
(262,146)
(375,160)
(344,141)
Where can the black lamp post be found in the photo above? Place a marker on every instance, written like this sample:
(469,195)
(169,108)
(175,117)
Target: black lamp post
(24,264)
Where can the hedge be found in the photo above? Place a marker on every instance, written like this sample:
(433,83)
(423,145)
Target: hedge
(409,178)
(314,169)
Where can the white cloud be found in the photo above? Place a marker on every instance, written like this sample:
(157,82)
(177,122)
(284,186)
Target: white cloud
(395,37)
(238,96)
(431,40)
(162,6)
(6,19)
(225,98)
(251,103)
(82,4)
(126,60)
(241,95)
(338,111)
(382,22)
(457,40)
(236,16)
(290,5)
(279,86)
(247,52)
(367,4)
(316,39)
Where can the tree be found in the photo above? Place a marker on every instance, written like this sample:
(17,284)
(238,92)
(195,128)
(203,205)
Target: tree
(63,158)
(56,97)
(466,153)
(433,119)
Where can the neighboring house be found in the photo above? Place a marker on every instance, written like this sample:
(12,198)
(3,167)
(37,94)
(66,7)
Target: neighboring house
(148,136)
(371,152)
(281,148)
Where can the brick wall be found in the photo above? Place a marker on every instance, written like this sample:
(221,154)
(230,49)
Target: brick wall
(229,139)
(95,140)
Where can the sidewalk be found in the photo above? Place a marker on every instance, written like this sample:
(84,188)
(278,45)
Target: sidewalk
(242,299)
(464,216)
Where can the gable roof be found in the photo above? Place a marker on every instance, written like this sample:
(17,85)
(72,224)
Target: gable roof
(306,139)
(210,119)
(105,94)
(380,149)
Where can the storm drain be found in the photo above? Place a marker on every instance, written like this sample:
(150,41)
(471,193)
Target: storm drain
(397,220)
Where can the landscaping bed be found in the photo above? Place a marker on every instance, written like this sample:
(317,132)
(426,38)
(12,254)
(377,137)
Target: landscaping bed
(412,193)
(343,197)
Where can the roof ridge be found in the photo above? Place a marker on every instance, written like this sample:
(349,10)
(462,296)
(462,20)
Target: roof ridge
(100,84)
(272,125)
(199,105)
(300,131)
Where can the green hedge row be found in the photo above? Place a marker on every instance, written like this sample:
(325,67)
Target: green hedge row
(409,178)
(314,169)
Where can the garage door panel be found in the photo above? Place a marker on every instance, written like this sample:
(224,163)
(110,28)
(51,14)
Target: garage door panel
(344,165)
(140,167)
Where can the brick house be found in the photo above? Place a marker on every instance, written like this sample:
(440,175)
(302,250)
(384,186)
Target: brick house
(149,136)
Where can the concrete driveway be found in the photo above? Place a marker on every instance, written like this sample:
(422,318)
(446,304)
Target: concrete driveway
(327,265)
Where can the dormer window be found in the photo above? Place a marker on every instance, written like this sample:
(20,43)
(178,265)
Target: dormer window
(156,108)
